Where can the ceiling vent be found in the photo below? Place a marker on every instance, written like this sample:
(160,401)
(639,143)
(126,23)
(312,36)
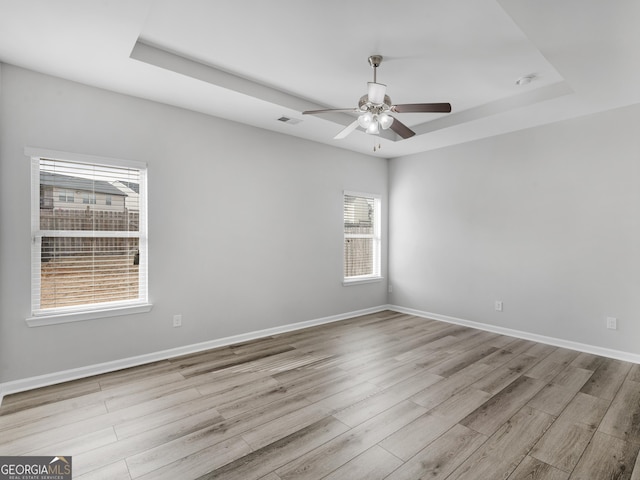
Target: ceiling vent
(290,121)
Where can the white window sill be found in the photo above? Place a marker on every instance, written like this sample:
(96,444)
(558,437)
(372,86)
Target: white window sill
(360,280)
(67,317)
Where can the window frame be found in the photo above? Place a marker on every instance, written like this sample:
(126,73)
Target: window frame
(88,311)
(376,237)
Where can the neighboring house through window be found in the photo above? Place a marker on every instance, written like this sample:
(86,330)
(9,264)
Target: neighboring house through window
(88,259)
(362,239)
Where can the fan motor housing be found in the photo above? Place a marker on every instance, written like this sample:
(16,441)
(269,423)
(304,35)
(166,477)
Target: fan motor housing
(366,106)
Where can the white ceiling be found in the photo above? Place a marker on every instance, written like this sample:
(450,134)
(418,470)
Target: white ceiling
(253,61)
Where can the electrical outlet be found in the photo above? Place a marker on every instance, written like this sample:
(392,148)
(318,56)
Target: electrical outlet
(177,320)
(498,305)
(390,288)
(612,323)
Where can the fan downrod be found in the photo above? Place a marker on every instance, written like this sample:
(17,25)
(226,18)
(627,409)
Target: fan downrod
(375,61)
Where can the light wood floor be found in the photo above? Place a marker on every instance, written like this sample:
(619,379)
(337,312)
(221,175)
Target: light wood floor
(382,396)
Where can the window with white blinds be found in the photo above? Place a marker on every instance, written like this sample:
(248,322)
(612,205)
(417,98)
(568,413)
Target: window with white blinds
(89,235)
(361,236)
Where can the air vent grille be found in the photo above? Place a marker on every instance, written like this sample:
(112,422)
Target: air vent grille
(290,121)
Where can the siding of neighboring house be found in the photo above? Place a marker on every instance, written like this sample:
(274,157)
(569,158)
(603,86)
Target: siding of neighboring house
(63,192)
(68,199)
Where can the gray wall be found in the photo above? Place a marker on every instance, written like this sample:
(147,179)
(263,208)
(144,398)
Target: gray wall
(245,225)
(546,220)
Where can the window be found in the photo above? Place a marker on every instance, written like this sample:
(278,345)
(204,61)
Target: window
(107,200)
(64,196)
(361,237)
(87,263)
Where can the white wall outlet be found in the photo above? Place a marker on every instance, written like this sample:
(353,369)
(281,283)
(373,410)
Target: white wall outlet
(390,289)
(498,305)
(612,323)
(177,320)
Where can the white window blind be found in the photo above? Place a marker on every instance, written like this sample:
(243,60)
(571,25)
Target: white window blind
(89,235)
(361,236)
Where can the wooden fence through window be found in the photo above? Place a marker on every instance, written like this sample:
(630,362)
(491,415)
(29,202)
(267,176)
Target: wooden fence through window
(358,252)
(89,221)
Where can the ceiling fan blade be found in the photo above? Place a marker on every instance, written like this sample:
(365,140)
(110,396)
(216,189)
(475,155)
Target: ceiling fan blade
(328,110)
(401,129)
(346,131)
(422,107)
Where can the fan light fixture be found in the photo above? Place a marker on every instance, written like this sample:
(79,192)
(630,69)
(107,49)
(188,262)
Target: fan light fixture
(373,128)
(365,119)
(385,120)
(372,123)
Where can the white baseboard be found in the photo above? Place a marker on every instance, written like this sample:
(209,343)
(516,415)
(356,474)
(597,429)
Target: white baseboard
(83,372)
(30,383)
(556,342)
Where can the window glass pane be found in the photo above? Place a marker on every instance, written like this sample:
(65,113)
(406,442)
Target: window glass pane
(358,214)
(115,187)
(79,271)
(358,257)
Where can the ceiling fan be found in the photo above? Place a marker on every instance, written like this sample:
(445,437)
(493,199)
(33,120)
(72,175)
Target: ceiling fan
(375,107)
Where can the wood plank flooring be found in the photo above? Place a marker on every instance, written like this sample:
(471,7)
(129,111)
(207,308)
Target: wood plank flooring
(383,396)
